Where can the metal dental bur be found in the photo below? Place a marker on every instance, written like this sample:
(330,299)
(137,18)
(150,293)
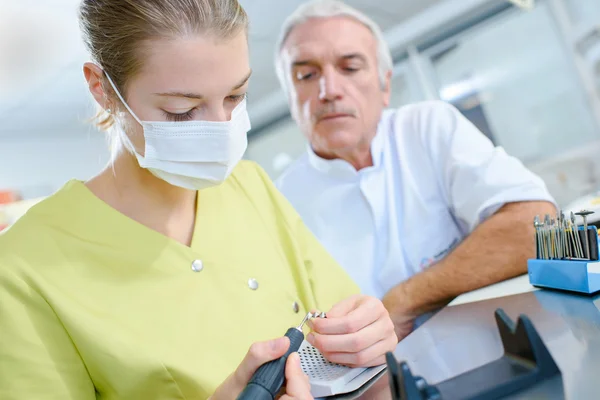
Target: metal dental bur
(563,249)
(583,214)
(549,236)
(554,239)
(557,239)
(543,240)
(565,234)
(538,243)
(306,318)
(573,234)
(575,230)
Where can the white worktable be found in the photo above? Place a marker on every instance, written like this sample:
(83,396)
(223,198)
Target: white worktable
(509,287)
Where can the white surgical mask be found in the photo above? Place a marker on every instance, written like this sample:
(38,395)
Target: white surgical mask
(191,154)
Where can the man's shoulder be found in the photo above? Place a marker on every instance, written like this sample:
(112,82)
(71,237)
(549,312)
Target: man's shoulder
(297,172)
(422,113)
(252,181)
(425,125)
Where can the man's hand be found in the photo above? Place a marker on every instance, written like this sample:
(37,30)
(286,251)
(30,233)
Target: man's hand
(402,319)
(357,332)
(496,250)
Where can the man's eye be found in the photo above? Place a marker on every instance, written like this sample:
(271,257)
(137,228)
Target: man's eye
(305,76)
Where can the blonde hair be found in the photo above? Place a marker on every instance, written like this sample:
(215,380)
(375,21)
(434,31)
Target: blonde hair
(329,9)
(115,31)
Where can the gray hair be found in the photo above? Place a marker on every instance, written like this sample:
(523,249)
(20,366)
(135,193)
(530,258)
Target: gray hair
(328,9)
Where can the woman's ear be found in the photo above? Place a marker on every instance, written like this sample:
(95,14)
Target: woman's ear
(94,77)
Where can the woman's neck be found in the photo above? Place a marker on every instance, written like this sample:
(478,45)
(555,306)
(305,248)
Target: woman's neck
(149,200)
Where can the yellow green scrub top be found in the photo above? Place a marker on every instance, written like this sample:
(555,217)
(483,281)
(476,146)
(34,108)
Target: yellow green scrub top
(94,305)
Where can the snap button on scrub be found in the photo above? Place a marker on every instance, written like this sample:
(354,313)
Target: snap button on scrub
(197,266)
(252,284)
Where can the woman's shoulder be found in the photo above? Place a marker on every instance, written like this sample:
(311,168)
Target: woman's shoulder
(252,179)
(257,186)
(248,171)
(31,236)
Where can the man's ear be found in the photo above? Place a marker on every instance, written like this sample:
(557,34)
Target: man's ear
(387,89)
(94,77)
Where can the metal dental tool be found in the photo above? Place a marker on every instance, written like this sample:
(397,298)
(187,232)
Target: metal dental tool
(556,224)
(583,214)
(564,227)
(559,254)
(561,233)
(538,243)
(576,248)
(575,229)
(267,381)
(547,241)
(554,238)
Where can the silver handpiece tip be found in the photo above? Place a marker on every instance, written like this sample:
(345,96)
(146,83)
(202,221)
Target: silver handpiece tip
(306,317)
(316,314)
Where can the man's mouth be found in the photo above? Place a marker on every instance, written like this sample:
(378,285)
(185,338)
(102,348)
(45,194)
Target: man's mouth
(331,116)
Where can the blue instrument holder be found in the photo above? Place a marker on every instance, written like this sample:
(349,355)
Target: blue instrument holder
(581,276)
(574,276)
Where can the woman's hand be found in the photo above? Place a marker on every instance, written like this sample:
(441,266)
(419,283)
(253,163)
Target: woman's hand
(357,332)
(297,385)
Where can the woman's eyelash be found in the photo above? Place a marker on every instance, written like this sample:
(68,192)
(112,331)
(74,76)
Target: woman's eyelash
(238,97)
(189,115)
(186,116)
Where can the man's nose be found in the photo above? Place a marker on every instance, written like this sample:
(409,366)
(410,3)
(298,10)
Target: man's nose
(330,85)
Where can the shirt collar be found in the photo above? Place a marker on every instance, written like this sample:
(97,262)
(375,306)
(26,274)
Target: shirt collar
(342,168)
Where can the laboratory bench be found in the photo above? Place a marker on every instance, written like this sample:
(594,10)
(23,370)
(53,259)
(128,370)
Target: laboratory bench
(464,336)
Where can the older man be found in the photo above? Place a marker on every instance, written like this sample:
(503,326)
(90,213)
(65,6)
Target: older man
(415,203)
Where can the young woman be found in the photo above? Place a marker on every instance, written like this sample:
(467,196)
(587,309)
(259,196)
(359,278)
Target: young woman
(153,279)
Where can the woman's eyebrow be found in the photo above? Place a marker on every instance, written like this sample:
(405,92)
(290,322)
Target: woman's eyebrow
(199,96)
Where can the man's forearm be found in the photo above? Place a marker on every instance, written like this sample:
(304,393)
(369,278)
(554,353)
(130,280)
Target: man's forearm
(496,250)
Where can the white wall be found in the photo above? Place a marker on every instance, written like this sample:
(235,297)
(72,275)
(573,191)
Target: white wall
(533,100)
(586,12)
(39,165)
(277,146)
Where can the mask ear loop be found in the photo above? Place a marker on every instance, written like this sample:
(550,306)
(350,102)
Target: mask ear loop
(121,98)
(124,138)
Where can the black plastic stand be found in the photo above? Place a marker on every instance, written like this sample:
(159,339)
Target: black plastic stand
(526,362)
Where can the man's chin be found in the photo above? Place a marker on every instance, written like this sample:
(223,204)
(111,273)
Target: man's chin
(340,141)
(335,148)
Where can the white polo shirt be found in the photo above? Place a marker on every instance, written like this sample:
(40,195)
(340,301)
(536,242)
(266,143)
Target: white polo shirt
(435,178)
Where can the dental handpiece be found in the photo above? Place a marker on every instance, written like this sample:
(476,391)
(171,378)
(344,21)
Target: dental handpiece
(267,381)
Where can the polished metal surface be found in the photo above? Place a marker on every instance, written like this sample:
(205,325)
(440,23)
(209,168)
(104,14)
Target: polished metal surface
(460,338)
